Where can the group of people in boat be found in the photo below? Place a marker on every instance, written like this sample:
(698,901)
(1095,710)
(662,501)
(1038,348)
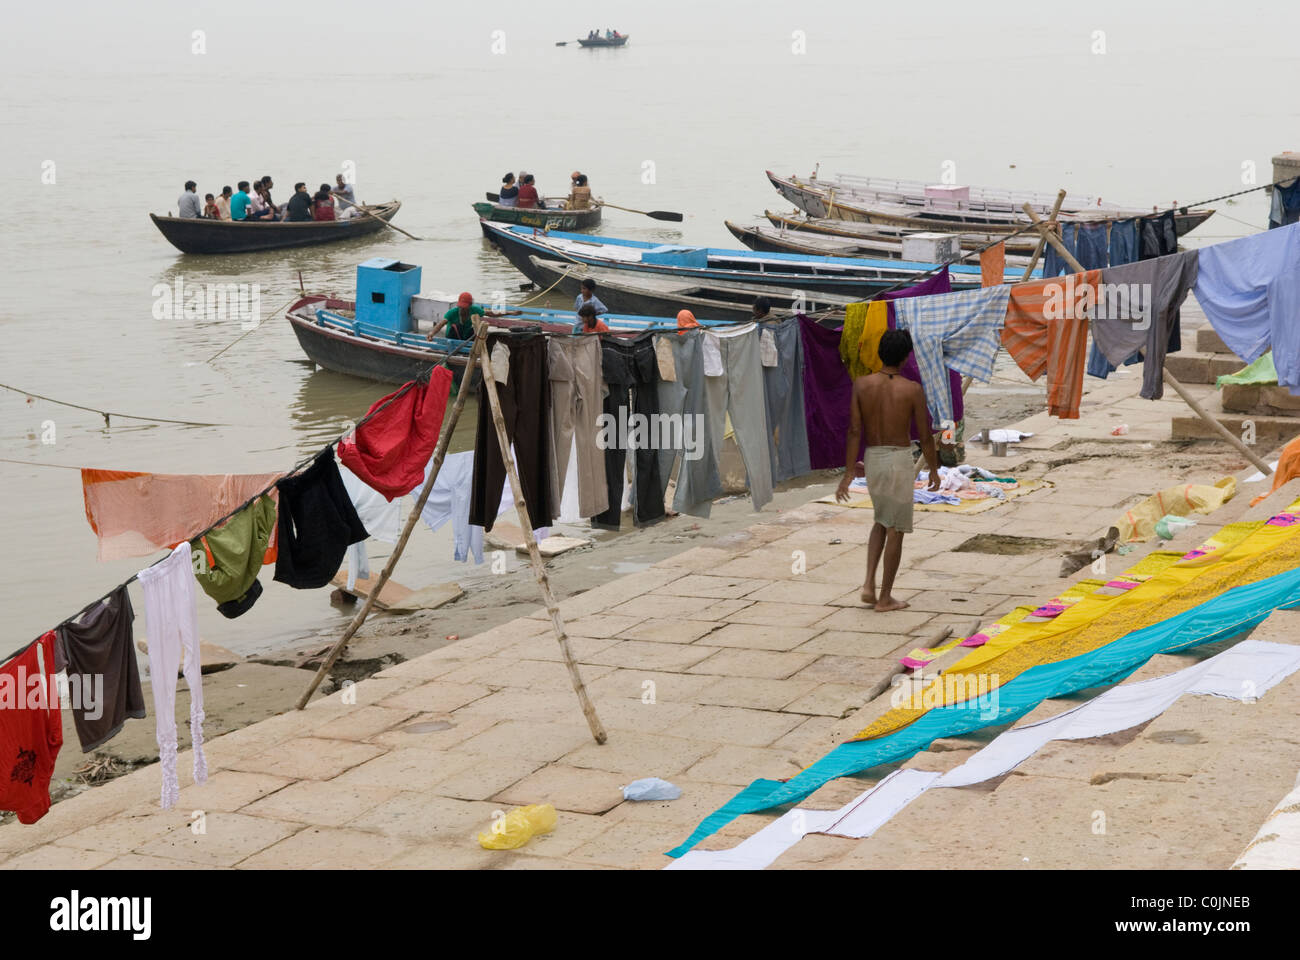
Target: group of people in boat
(255,203)
(521,191)
(609,34)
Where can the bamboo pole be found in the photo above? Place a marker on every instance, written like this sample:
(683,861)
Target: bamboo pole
(1236,441)
(1038,250)
(439,454)
(534,555)
(1260,464)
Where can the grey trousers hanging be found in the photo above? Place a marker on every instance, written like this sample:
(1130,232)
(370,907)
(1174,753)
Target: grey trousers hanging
(577,399)
(783,388)
(739,392)
(685,401)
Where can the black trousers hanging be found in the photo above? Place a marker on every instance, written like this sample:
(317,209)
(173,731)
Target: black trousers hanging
(632,375)
(526,408)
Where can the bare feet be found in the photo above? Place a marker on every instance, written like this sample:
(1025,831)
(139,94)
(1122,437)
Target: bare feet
(868,596)
(889,603)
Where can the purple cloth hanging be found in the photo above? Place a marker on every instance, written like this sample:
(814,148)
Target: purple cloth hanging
(827,392)
(828,388)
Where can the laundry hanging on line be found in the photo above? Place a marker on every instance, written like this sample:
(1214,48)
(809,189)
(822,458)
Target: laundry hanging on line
(954,331)
(31,732)
(230,557)
(1046,331)
(135,514)
(389,449)
(98,650)
(1250,292)
(171,619)
(317,524)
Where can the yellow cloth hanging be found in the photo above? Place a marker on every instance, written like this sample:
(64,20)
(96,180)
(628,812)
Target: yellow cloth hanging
(855,319)
(864,325)
(877,322)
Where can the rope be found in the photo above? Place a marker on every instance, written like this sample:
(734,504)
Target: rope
(421,379)
(106,414)
(284,305)
(35,463)
(1265,186)
(564,275)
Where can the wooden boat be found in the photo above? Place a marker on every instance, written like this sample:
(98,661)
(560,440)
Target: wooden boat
(946,217)
(603,42)
(551,217)
(774,239)
(844,276)
(1022,245)
(194,235)
(919,192)
(663,296)
(332,337)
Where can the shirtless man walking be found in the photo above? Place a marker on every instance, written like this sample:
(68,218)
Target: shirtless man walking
(887,405)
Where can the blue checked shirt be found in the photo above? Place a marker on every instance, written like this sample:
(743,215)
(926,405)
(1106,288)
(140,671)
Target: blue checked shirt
(953,331)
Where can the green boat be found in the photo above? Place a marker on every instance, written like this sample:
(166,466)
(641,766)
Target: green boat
(553,216)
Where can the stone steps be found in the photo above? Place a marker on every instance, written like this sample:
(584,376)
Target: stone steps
(1207,341)
(1259,400)
(1201,367)
(1269,430)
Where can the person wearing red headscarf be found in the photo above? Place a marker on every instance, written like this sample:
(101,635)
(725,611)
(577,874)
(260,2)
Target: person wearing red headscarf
(459,320)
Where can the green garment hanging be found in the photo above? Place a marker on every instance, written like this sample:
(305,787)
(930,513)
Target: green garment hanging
(234,551)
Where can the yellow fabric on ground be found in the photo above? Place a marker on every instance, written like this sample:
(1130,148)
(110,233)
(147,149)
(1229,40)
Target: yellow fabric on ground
(1238,554)
(1139,523)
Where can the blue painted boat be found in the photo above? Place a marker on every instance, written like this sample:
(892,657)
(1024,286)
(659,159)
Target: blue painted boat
(337,336)
(857,277)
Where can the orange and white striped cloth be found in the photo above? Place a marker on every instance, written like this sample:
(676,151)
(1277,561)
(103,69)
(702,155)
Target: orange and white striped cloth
(1046,331)
(134,514)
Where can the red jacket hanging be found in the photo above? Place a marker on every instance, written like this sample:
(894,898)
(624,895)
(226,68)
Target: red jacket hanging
(31,730)
(390,451)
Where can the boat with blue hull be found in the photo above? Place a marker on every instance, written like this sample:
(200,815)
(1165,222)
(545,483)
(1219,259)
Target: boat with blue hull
(383,334)
(857,277)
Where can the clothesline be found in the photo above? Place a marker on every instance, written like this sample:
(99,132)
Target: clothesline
(293,470)
(108,413)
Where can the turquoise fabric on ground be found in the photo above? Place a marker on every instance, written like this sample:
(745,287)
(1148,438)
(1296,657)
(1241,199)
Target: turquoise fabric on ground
(1236,611)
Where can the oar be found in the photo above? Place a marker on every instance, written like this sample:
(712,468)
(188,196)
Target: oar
(385,222)
(652,214)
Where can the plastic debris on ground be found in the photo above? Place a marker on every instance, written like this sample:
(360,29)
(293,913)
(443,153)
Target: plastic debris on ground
(651,788)
(1170,525)
(518,827)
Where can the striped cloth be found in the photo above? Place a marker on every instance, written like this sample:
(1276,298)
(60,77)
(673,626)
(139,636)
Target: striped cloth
(1046,331)
(953,331)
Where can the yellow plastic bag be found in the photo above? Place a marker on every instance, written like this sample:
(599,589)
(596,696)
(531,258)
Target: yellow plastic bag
(518,827)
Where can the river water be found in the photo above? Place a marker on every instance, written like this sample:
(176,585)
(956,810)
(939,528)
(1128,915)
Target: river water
(108,109)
